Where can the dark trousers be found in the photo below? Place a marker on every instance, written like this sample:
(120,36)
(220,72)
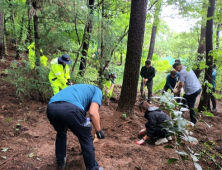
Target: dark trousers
(63,116)
(190,101)
(213,100)
(150,89)
(158,133)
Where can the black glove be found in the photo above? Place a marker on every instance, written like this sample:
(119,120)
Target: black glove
(100,134)
(68,82)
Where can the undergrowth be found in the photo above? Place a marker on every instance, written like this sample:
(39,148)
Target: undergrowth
(30,84)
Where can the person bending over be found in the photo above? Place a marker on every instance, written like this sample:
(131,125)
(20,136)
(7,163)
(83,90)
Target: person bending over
(154,126)
(192,88)
(67,110)
(171,80)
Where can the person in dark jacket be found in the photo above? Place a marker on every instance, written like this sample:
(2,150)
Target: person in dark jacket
(154,126)
(147,73)
(212,96)
(171,80)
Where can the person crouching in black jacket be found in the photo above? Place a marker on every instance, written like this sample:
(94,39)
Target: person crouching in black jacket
(157,120)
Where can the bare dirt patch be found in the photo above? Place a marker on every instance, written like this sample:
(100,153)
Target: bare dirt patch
(30,139)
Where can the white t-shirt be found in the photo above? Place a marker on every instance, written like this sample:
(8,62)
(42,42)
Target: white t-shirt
(191,83)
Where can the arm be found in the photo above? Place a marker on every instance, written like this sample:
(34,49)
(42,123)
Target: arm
(141,72)
(181,84)
(58,73)
(94,116)
(67,76)
(168,82)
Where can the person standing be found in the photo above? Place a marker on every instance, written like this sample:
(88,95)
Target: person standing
(147,73)
(212,97)
(171,81)
(67,110)
(59,77)
(192,88)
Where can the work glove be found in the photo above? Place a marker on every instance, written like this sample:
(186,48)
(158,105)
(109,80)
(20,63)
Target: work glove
(175,91)
(68,82)
(100,134)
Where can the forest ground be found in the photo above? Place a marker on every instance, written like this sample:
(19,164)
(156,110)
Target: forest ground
(32,146)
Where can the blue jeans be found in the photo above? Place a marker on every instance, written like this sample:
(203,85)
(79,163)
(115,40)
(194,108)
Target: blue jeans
(190,101)
(64,116)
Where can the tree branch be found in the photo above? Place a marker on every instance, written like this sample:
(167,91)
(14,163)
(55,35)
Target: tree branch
(152,5)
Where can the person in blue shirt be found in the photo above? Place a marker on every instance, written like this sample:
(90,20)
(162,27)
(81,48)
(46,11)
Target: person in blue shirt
(171,81)
(67,110)
(212,97)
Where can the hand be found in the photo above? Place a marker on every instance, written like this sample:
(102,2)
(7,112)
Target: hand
(68,83)
(175,91)
(146,80)
(100,134)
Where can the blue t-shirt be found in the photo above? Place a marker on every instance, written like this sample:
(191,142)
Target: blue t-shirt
(81,95)
(171,82)
(214,74)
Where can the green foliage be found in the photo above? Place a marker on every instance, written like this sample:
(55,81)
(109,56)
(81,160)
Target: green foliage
(179,130)
(30,84)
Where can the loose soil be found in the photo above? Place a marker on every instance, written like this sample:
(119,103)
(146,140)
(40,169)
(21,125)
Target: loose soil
(31,143)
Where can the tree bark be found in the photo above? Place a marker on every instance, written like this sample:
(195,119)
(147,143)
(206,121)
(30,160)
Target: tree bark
(133,56)
(20,37)
(36,34)
(209,57)
(201,49)
(85,48)
(102,57)
(156,22)
(2,42)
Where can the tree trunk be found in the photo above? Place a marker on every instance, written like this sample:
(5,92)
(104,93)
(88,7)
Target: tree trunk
(85,48)
(101,58)
(2,42)
(36,34)
(209,58)
(201,49)
(29,3)
(202,44)
(133,56)
(20,37)
(156,22)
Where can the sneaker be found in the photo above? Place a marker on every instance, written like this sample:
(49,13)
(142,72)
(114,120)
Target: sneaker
(184,109)
(169,138)
(142,132)
(161,141)
(61,164)
(214,110)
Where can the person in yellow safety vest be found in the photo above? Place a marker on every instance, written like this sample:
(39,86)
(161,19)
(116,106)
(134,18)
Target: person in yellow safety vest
(31,55)
(109,85)
(59,73)
(43,58)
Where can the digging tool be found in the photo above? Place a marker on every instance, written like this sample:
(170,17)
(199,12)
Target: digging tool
(143,89)
(95,139)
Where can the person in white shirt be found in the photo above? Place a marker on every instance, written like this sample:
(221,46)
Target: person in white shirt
(191,85)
